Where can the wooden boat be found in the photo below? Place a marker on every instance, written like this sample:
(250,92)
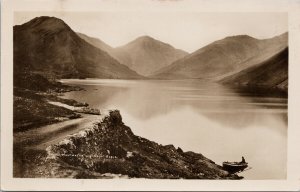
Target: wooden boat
(234,167)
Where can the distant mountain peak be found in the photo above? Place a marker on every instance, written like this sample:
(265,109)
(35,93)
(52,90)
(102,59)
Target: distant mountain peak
(148,42)
(240,37)
(146,54)
(145,37)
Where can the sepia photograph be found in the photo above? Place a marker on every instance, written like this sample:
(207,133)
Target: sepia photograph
(152,95)
(87,109)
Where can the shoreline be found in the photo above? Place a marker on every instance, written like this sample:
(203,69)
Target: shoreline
(53,160)
(32,143)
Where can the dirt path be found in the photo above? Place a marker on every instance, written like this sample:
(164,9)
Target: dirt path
(44,136)
(29,146)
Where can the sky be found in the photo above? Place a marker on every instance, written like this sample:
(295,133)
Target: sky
(188,31)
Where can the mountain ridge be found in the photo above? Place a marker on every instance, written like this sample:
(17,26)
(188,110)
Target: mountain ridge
(222,57)
(47,45)
(144,54)
(272,73)
(96,42)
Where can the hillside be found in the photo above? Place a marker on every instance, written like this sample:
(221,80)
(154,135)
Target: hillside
(111,147)
(96,43)
(47,45)
(272,73)
(223,57)
(146,55)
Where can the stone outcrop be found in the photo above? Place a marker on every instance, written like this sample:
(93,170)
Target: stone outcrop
(111,147)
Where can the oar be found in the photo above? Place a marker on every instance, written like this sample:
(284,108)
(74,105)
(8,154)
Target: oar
(247,169)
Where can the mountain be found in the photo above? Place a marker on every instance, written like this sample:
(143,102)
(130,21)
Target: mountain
(96,43)
(146,55)
(47,45)
(223,57)
(272,73)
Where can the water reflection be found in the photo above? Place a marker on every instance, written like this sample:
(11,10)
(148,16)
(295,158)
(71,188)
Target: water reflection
(220,122)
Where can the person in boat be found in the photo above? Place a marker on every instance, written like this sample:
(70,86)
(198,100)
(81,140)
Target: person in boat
(243,160)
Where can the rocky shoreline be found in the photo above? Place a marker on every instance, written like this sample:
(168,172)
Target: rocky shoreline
(109,149)
(37,102)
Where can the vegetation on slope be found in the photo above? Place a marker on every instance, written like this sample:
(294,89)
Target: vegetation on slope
(111,147)
(272,74)
(223,57)
(48,45)
(31,109)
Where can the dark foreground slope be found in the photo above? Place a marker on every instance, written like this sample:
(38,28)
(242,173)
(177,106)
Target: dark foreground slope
(273,73)
(48,46)
(111,149)
(31,109)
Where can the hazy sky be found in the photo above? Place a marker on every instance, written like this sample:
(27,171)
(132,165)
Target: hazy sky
(184,30)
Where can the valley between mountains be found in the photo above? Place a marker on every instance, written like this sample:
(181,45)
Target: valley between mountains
(48,46)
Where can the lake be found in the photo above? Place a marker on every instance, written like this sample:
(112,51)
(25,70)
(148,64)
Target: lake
(222,123)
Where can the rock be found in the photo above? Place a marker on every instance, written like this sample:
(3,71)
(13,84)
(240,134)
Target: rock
(179,150)
(74,116)
(111,147)
(88,110)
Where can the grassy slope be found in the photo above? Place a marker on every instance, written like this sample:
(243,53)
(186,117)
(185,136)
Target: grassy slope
(111,147)
(50,46)
(223,57)
(31,113)
(273,73)
(31,109)
(144,54)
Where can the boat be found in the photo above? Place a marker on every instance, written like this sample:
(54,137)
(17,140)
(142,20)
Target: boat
(234,167)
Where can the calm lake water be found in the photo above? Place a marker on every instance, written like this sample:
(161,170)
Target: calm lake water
(222,123)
